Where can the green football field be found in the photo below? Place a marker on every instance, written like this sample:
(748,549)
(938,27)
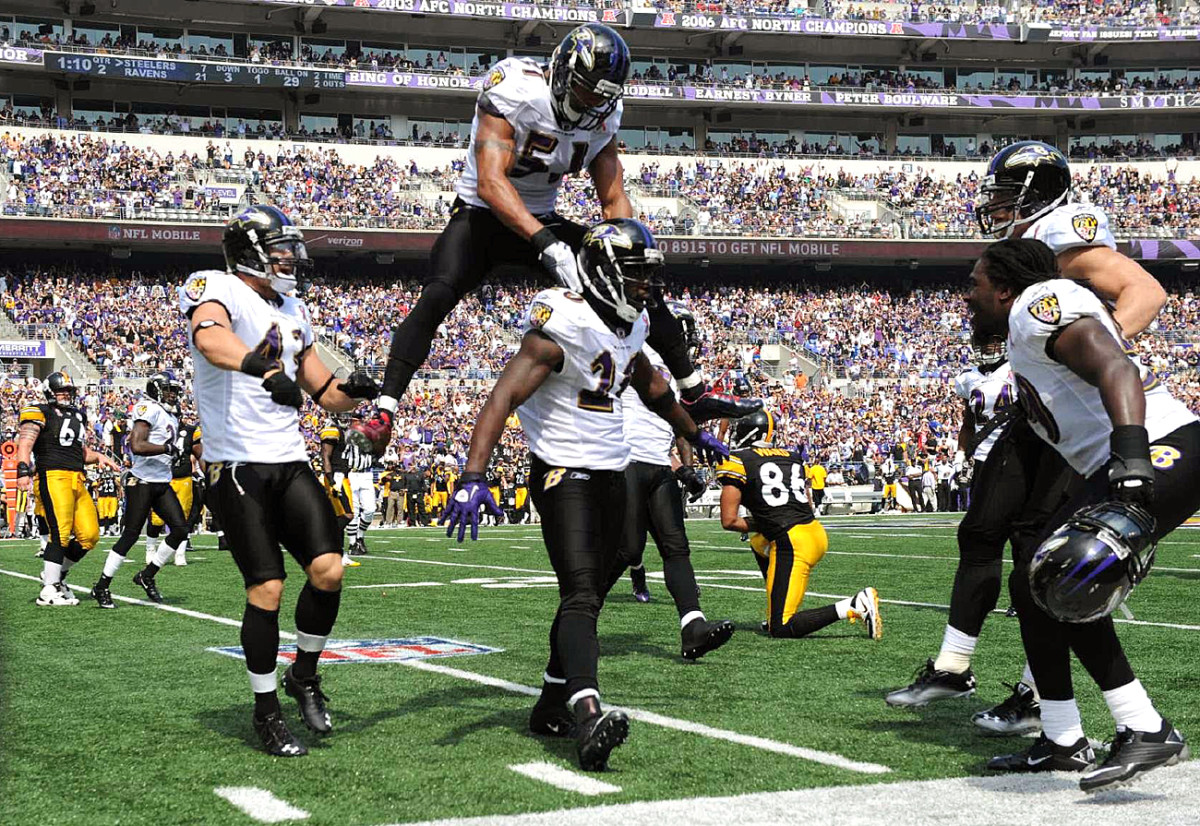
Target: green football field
(127,717)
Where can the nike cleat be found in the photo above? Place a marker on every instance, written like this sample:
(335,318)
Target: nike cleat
(865,607)
(102,596)
(276,738)
(930,685)
(347,562)
(701,636)
(598,736)
(1020,714)
(66,593)
(550,716)
(641,592)
(51,595)
(147,584)
(311,699)
(1134,753)
(1047,756)
(709,405)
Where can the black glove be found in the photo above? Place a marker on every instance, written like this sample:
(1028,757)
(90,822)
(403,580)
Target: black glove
(691,481)
(1130,473)
(256,364)
(283,390)
(359,386)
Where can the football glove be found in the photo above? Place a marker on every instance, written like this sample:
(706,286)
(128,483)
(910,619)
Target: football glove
(1130,473)
(359,386)
(377,430)
(558,259)
(708,448)
(692,483)
(283,390)
(463,510)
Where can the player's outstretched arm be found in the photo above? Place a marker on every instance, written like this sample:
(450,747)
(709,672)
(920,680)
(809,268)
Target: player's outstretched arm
(1118,278)
(495,156)
(609,178)
(95,457)
(658,397)
(333,395)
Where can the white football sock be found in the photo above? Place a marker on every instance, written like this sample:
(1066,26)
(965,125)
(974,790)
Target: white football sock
(163,555)
(956,652)
(1060,721)
(261,683)
(112,564)
(843,607)
(51,572)
(690,617)
(182,549)
(1027,678)
(310,642)
(1131,707)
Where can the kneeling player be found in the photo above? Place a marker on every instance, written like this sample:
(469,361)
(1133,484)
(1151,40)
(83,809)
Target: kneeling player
(1136,452)
(578,354)
(787,539)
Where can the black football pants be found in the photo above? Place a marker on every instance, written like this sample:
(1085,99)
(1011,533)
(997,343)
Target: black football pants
(583,515)
(142,497)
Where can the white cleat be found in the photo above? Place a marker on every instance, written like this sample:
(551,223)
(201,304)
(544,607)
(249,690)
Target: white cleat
(865,607)
(50,595)
(67,594)
(347,562)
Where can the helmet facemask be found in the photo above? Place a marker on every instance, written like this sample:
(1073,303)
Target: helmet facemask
(580,101)
(609,285)
(285,272)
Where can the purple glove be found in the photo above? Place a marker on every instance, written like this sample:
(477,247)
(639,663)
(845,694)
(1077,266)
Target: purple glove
(708,447)
(463,510)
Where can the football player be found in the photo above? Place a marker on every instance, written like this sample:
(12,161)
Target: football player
(252,344)
(108,492)
(654,506)
(534,124)
(189,447)
(154,448)
(786,538)
(578,353)
(340,457)
(363,499)
(54,434)
(1135,453)
(1026,193)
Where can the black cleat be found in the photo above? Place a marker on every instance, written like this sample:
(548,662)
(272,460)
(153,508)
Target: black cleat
(598,736)
(222,545)
(276,738)
(641,592)
(1134,753)
(550,716)
(102,597)
(147,584)
(701,636)
(1047,756)
(312,701)
(930,684)
(357,548)
(709,405)
(1019,714)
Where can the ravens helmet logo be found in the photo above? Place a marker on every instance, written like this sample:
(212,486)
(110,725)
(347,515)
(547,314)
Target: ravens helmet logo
(1046,309)
(607,232)
(1085,225)
(584,44)
(1034,154)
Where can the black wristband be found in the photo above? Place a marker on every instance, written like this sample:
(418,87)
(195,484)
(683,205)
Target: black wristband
(543,238)
(24,469)
(1130,441)
(472,477)
(662,404)
(256,364)
(317,396)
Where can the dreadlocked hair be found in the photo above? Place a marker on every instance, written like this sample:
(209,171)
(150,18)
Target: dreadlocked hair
(1019,263)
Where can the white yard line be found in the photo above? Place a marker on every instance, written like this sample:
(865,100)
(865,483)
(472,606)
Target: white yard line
(1164,797)
(564,779)
(650,717)
(395,585)
(260,804)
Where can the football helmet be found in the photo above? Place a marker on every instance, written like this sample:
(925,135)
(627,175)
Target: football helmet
(588,71)
(59,383)
(691,334)
(252,243)
(1086,568)
(989,352)
(1025,180)
(755,430)
(164,389)
(617,255)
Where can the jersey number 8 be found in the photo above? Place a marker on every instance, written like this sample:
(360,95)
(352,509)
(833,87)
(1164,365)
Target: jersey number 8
(774,492)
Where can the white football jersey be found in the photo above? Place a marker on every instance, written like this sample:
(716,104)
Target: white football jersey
(988,394)
(1070,226)
(516,90)
(164,426)
(239,420)
(575,418)
(1062,408)
(649,435)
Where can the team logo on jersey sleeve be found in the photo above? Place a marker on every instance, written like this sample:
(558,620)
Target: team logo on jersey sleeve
(1046,309)
(195,287)
(494,79)
(539,314)
(1085,225)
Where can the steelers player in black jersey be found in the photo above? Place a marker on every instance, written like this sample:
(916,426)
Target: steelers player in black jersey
(340,456)
(54,434)
(190,444)
(108,492)
(787,539)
